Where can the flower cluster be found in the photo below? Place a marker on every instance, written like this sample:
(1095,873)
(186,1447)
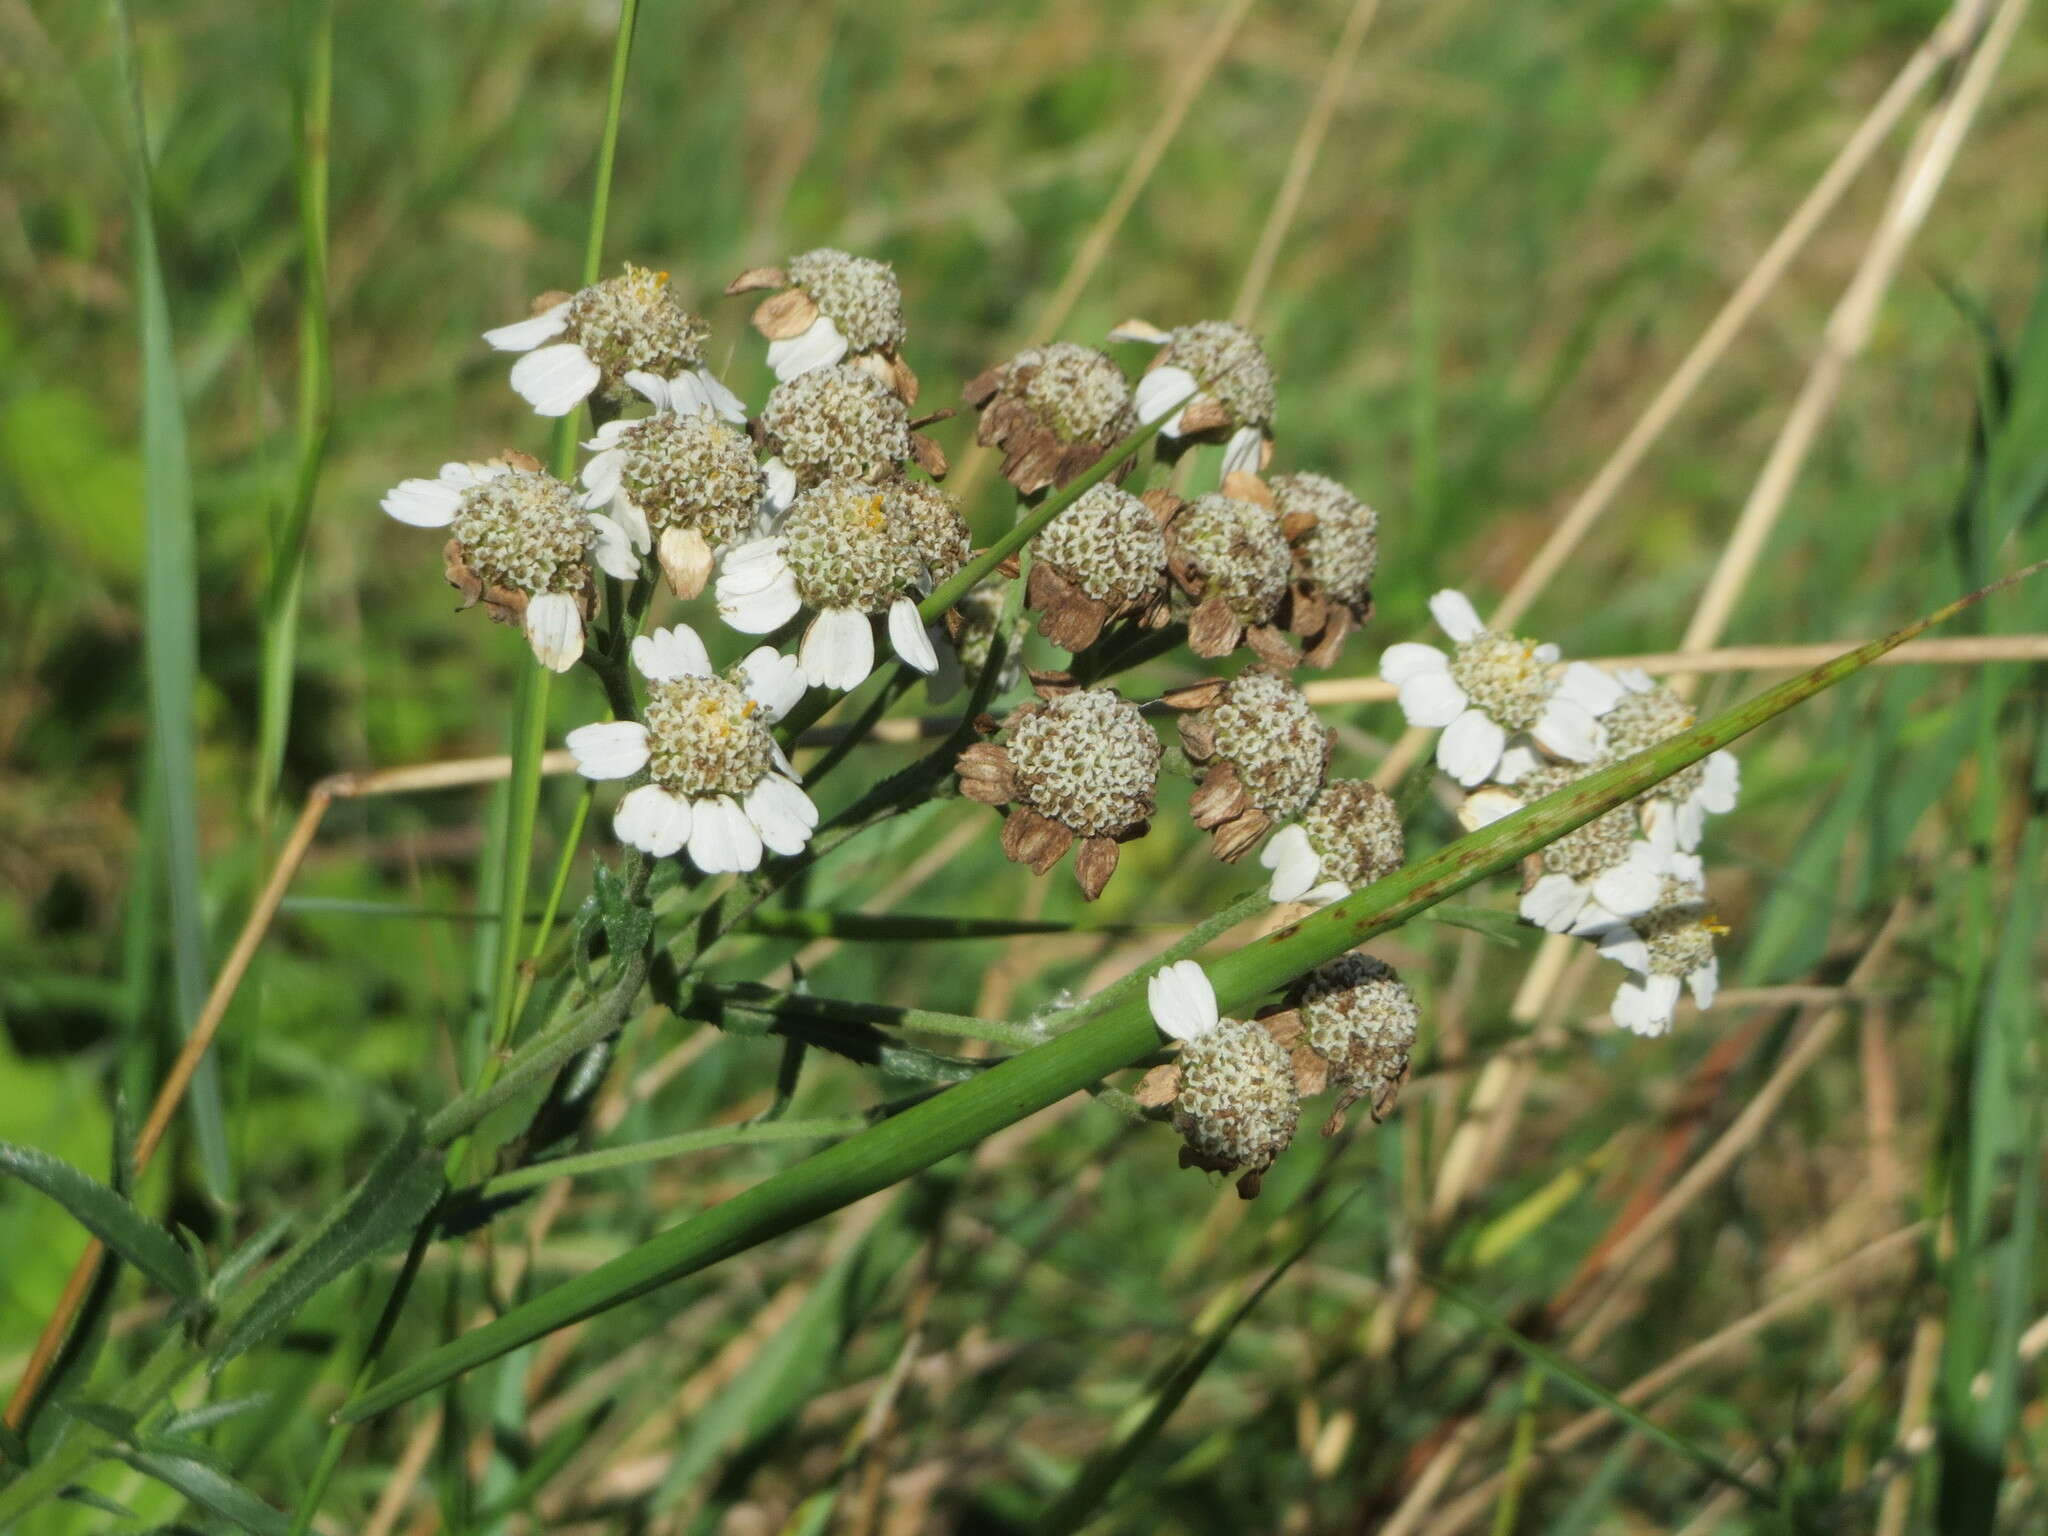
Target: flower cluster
(1521,724)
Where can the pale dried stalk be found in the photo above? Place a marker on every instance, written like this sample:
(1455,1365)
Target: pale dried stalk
(1301,162)
(1474,1501)
(397,1490)
(1848,331)
(1922,1365)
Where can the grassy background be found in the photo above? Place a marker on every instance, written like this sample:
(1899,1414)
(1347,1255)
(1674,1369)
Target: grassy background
(1521,219)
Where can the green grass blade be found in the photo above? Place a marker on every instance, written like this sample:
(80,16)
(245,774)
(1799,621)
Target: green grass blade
(1112,1037)
(1571,1376)
(1148,1417)
(895,927)
(211,1489)
(171,627)
(638,1153)
(108,1217)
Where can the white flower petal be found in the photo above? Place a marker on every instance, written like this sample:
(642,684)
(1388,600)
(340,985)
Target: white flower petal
(1660,997)
(1632,1010)
(423,503)
(1705,981)
(555,380)
(1554,903)
(627,514)
(762,612)
(1455,614)
(1590,688)
(755,552)
(600,477)
(1546,653)
(720,400)
(669,655)
(1322,895)
(612,549)
(1292,858)
(554,628)
(780,482)
(1517,763)
(783,765)
(1483,807)
(773,681)
(1721,783)
(1625,947)
(1246,451)
(1470,746)
(1634,679)
(1689,823)
(1569,731)
(722,840)
(818,345)
(1660,828)
(525,335)
(782,813)
(1410,658)
(652,387)
(1432,699)
(653,820)
(611,749)
(1165,392)
(838,650)
(1631,887)
(1183,1002)
(1687,869)
(907,635)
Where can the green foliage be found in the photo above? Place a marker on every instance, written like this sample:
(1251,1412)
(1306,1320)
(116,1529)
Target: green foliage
(108,1217)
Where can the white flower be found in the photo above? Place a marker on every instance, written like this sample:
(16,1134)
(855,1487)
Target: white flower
(1298,870)
(1183,1002)
(523,544)
(1491,686)
(690,392)
(1666,949)
(720,786)
(1647,714)
(817,345)
(1208,375)
(1602,863)
(601,337)
(839,556)
(1349,836)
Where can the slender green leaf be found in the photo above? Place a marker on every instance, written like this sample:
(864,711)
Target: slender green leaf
(211,1489)
(898,927)
(610,1159)
(1571,1376)
(111,1219)
(1110,1037)
(12,1446)
(1145,1419)
(210,1414)
(384,1208)
(76,1494)
(1488,922)
(171,629)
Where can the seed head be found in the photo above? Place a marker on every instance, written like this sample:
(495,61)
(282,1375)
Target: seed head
(857,294)
(1361,1018)
(1355,831)
(1109,543)
(1229,363)
(524,530)
(1080,394)
(633,322)
(1642,720)
(837,421)
(1586,851)
(839,545)
(1238,548)
(706,737)
(1341,551)
(1502,675)
(1088,760)
(1236,1107)
(1267,730)
(928,521)
(693,472)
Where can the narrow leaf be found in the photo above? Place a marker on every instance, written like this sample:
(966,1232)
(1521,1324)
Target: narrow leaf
(111,1219)
(212,1490)
(392,1198)
(1108,1038)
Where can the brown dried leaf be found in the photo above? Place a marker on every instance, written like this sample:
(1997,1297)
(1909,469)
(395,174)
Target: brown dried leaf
(1213,630)
(1094,863)
(755,278)
(1159,1087)
(786,314)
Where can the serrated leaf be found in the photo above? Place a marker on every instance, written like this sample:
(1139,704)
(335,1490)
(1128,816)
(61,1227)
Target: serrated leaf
(111,1219)
(212,1490)
(388,1202)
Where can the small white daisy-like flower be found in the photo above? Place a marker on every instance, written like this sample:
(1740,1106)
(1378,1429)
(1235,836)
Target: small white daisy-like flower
(1604,863)
(838,555)
(687,480)
(719,786)
(833,307)
(1666,948)
(596,339)
(1207,380)
(1646,714)
(1349,837)
(835,422)
(521,543)
(1492,686)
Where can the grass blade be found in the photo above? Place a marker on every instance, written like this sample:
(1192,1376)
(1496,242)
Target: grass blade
(171,627)
(211,1489)
(108,1217)
(1112,1037)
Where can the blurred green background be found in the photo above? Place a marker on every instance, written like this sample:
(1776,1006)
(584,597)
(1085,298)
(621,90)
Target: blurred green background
(1520,221)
